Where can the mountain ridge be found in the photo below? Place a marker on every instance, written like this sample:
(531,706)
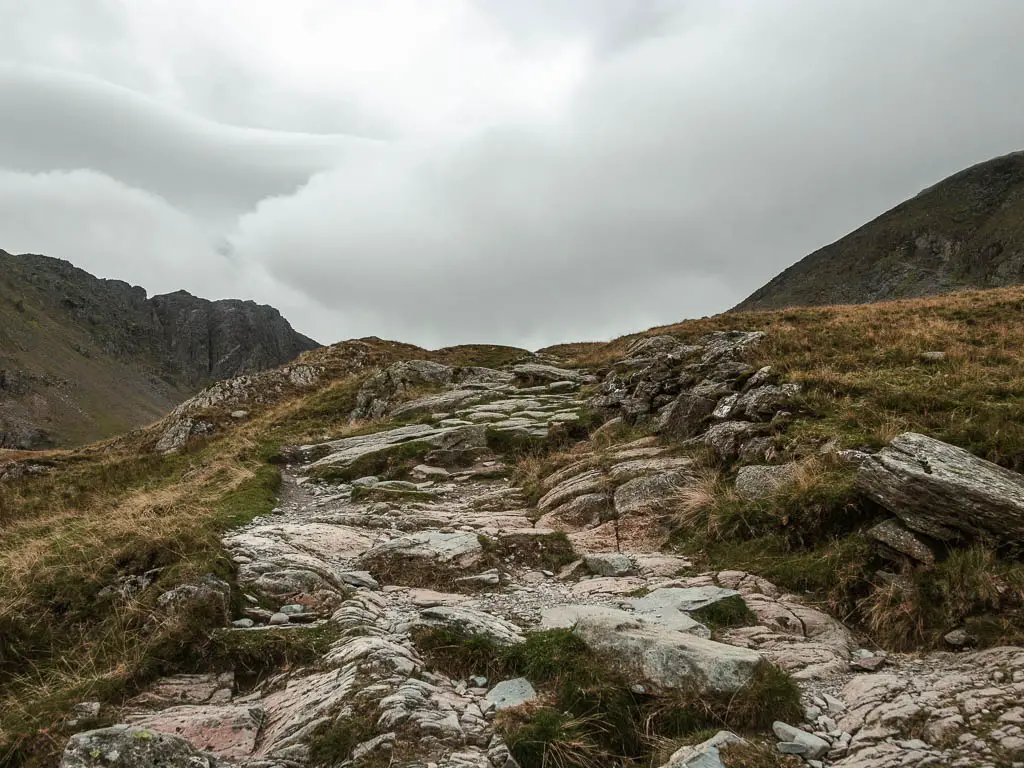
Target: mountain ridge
(83,358)
(965,231)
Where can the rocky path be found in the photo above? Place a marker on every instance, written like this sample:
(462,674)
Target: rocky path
(373,559)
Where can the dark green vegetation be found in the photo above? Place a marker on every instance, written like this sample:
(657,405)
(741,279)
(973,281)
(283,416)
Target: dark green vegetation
(83,359)
(723,614)
(589,713)
(967,231)
(251,655)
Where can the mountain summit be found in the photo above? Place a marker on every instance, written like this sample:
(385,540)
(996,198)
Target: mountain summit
(967,231)
(83,358)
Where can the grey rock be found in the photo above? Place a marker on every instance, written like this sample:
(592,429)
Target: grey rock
(812,747)
(945,492)
(342,454)
(359,579)
(538,373)
(610,564)
(703,755)
(959,638)
(460,548)
(491,578)
(208,597)
(893,534)
(726,438)
(665,657)
(279,618)
(645,494)
(424,472)
(685,417)
(471,621)
(511,693)
(243,624)
(376,395)
(588,482)
(122,746)
(728,345)
(683,599)
(758,482)
(763,403)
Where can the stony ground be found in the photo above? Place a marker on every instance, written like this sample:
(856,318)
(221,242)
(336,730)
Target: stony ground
(375,559)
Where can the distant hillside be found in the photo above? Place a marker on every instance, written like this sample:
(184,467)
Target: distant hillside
(964,232)
(83,358)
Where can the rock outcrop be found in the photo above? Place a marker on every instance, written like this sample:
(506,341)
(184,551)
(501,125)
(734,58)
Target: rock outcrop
(83,358)
(945,492)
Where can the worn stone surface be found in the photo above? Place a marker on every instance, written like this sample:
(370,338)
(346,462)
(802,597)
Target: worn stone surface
(332,556)
(127,747)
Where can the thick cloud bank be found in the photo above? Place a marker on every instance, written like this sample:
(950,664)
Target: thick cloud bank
(518,173)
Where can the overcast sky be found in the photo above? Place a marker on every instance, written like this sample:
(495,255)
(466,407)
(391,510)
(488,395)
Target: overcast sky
(508,171)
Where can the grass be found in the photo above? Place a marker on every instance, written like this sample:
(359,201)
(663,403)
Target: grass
(589,712)
(971,588)
(333,743)
(728,612)
(808,537)
(252,654)
(108,513)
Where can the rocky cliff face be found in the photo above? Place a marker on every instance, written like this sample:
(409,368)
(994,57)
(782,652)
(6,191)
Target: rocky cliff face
(967,231)
(82,358)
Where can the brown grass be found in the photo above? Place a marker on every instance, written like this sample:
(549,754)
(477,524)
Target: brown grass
(863,375)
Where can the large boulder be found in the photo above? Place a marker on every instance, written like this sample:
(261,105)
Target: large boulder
(665,657)
(122,746)
(649,492)
(945,492)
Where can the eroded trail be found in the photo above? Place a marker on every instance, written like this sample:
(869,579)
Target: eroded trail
(371,562)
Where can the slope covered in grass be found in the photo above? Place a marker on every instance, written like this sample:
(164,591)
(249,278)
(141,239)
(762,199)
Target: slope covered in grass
(967,231)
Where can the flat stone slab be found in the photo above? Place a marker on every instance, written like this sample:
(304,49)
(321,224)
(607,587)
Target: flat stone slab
(471,622)
(229,731)
(459,548)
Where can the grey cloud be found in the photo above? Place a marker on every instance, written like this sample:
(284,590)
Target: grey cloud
(53,120)
(702,148)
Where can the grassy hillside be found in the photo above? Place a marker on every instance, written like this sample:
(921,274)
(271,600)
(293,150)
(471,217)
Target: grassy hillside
(967,231)
(92,516)
(60,381)
(864,377)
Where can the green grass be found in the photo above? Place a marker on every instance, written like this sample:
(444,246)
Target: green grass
(591,714)
(252,654)
(726,613)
